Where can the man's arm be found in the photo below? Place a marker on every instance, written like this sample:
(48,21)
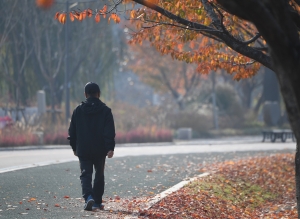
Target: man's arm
(72,133)
(109,134)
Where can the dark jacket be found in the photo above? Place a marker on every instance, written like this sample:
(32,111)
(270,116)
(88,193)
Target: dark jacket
(92,129)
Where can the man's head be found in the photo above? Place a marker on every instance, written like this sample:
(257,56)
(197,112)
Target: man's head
(92,89)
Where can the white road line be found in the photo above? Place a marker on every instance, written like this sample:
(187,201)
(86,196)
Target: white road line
(51,162)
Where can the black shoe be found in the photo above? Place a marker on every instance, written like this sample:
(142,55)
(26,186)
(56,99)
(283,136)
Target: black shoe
(89,204)
(98,206)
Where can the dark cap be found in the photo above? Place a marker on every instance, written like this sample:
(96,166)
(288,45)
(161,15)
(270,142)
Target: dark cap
(91,88)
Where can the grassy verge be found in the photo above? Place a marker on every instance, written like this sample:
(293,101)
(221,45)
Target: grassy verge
(261,187)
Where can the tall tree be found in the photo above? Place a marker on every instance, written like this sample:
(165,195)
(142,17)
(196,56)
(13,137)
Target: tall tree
(49,53)
(15,52)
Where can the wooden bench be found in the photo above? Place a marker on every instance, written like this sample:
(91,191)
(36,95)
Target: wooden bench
(282,134)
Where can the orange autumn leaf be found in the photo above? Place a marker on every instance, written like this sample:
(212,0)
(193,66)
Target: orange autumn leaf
(104,9)
(80,17)
(45,4)
(84,14)
(71,16)
(132,14)
(115,17)
(57,205)
(62,18)
(56,15)
(180,46)
(89,12)
(32,199)
(97,18)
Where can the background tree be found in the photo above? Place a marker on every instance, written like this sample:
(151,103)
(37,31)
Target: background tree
(49,54)
(32,52)
(179,79)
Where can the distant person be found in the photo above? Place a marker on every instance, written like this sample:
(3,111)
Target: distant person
(92,138)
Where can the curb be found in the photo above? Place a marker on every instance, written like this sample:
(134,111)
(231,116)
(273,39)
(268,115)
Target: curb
(167,192)
(51,147)
(175,142)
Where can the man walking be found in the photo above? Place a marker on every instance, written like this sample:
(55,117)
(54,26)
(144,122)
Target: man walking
(92,138)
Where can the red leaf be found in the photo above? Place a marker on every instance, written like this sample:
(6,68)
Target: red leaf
(56,15)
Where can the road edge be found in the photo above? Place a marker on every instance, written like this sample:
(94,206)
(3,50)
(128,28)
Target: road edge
(167,192)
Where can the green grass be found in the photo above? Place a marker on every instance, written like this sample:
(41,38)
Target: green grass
(237,192)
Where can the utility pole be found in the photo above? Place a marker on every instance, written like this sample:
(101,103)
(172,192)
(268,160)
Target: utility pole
(66,83)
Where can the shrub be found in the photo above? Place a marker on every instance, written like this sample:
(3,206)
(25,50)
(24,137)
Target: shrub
(128,117)
(231,114)
(56,138)
(13,137)
(144,135)
(201,124)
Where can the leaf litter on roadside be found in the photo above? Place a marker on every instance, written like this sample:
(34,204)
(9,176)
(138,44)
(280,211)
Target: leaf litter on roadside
(258,187)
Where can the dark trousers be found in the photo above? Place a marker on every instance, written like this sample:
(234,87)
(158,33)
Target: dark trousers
(86,166)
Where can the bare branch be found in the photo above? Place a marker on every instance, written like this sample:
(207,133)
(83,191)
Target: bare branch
(252,39)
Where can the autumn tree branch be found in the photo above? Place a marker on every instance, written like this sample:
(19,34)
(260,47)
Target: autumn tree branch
(224,37)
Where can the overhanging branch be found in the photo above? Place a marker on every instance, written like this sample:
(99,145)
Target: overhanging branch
(252,39)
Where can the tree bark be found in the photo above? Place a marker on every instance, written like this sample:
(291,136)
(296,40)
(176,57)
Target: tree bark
(276,25)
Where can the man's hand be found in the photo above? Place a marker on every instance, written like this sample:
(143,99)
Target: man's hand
(75,153)
(110,154)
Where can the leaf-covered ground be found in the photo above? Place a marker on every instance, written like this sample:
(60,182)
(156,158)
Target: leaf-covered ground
(262,187)
(240,187)
(258,187)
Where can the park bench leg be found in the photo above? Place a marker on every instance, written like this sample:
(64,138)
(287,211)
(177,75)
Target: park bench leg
(273,137)
(264,136)
(283,137)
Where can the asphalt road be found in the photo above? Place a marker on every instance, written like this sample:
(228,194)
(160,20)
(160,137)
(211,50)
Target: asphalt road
(34,192)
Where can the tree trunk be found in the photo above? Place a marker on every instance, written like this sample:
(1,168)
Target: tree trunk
(275,23)
(291,102)
(297,177)
(287,67)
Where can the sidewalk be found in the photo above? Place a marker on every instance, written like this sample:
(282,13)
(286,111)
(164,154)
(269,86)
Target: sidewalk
(209,141)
